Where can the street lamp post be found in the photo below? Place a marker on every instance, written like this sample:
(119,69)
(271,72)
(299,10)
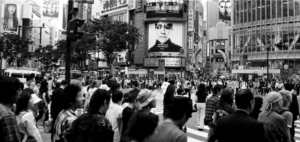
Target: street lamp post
(181,56)
(268,49)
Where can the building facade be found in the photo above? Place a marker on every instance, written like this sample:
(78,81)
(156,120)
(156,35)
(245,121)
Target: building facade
(265,38)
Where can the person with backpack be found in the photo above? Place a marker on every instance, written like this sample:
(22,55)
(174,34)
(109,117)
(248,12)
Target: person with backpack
(224,108)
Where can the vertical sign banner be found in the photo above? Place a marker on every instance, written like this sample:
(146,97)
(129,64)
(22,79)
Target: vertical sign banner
(139,5)
(10,17)
(224,9)
(191,16)
(131,4)
(191,45)
(65,17)
(197,27)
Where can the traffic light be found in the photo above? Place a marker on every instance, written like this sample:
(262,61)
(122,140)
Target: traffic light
(74,24)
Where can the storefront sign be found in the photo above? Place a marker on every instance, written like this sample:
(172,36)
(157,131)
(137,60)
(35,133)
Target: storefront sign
(113,5)
(169,62)
(164,8)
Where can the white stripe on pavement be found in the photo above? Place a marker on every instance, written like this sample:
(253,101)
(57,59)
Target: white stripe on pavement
(189,139)
(197,133)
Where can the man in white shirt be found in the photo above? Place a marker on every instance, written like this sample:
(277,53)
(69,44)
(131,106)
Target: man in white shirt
(164,86)
(114,114)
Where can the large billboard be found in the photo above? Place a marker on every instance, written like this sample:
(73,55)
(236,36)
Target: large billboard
(164,8)
(51,8)
(165,37)
(10,17)
(224,9)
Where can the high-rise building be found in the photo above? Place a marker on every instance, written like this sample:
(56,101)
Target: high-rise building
(265,38)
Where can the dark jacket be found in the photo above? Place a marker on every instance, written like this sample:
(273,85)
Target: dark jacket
(56,104)
(239,127)
(168,46)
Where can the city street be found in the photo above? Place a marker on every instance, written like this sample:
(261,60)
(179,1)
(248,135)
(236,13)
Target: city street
(194,135)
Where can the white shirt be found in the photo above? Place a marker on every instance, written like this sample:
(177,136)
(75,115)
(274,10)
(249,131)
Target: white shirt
(164,87)
(113,113)
(104,87)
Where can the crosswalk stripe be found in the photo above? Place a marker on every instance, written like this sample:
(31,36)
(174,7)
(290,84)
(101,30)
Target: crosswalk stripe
(189,139)
(198,133)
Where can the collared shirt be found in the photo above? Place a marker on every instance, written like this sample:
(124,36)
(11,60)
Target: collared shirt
(62,123)
(211,107)
(9,131)
(242,110)
(27,125)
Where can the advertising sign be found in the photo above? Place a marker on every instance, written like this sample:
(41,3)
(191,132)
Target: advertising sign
(224,9)
(36,9)
(113,5)
(164,8)
(191,16)
(51,8)
(165,37)
(139,5)
(131,4)
(169,62)
(65,17)
(10,17)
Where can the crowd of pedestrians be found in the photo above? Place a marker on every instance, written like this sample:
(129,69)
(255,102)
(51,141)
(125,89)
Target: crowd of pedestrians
(86,110)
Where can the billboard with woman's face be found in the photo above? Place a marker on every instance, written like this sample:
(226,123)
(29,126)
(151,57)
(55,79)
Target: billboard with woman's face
(10,17)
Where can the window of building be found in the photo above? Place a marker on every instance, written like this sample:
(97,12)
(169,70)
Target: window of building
(297,7)
(285,8)
(238,13)
(258,10)
(263,9)
(245,12)
(235,14)
(268,9)
(274,9)
(297,35)
(249,11)
(279,8)
(291,7)
(253,10)
(242,13)
(285,40)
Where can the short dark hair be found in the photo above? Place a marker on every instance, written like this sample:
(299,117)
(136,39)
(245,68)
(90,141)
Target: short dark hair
(116,96)
(166,79)
(70,95)
(179,107)
(114,86)
(22,102)
(64,82)
(97,100)
(9,87)
(217,88)
(243,98)
(142,120)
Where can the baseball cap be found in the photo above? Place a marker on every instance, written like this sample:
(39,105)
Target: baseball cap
(273,97)
(145,97)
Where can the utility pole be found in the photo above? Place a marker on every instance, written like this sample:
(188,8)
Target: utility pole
(68,50)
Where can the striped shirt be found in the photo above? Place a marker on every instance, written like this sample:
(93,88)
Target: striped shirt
(62,123)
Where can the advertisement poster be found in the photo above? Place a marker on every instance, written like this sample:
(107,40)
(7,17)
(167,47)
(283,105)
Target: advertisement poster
(224,9)
(36,9)
(164,8)
(10,17)
(51,8)
(112,5)
(165,37)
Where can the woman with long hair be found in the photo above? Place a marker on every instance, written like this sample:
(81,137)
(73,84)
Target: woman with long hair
(201,95)
(168,96)
(10,21)
(226,105)
(25,117)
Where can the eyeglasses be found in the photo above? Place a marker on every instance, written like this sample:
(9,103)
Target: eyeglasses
(167,26)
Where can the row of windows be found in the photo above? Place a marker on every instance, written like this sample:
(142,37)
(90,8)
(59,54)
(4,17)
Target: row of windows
(120,17)
(291,64)
(258,40)
(255,10)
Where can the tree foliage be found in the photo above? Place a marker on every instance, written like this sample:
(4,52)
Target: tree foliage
(15,49)
(110,37)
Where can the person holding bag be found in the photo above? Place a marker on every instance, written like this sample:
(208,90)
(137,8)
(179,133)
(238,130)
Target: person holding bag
(25,117)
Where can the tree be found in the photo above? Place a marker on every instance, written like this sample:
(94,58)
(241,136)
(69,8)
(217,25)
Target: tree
(16,49)
(110,37)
